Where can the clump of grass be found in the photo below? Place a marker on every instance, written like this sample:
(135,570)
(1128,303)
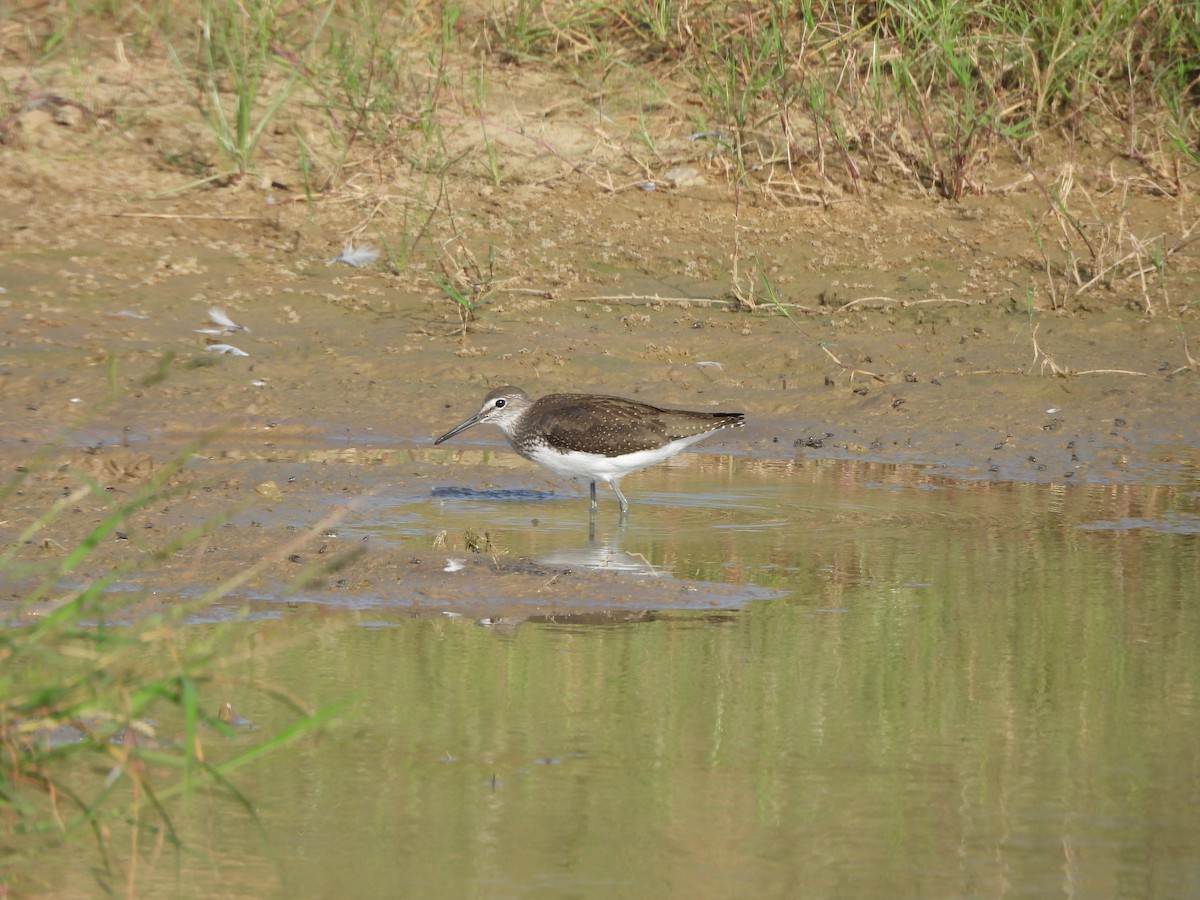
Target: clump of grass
(379,80)
(465,281)
(923,91)
(238,46)
(742,74)
(105,713)
(525,29)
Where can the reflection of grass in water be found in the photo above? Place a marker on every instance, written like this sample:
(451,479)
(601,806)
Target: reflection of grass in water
(85,676)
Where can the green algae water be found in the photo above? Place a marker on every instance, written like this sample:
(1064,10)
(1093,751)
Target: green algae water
(950,689)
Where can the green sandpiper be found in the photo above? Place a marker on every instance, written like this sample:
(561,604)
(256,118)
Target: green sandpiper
(593,436)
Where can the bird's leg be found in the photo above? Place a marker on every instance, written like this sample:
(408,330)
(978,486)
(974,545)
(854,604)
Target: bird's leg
(592,515)
(620,499)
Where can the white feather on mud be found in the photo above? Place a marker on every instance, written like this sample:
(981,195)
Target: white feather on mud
(226,350)
(356,256)
(218,316)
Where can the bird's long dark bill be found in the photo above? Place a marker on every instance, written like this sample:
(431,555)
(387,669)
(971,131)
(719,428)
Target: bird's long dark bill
(474,420)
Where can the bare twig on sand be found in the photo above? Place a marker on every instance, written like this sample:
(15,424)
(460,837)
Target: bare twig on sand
(850,370)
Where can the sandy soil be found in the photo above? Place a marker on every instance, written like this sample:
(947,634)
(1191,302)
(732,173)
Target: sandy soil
(917,330)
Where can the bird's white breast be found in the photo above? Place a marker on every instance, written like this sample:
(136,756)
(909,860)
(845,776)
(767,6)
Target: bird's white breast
(575,463)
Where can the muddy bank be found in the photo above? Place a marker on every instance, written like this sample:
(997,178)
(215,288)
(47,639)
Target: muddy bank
(906,330)
(340,395)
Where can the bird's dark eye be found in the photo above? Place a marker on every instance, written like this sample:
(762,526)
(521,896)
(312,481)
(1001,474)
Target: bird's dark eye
(499,404)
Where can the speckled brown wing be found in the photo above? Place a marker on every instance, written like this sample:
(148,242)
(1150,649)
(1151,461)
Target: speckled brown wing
(613,426)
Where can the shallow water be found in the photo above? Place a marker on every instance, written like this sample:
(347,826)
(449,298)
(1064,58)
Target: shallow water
(947,689)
